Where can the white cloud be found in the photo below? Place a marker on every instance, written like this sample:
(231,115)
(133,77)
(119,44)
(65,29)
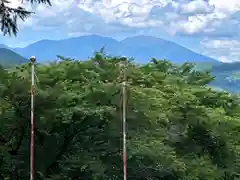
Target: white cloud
(229,6)
(212,18)
(184,17)
(224,50)
(200,16)
(43,12)
(196,6)
(208,18)
(17,3)
(190,26)
(187,17)
(197,23)
(129,12)
(79,17)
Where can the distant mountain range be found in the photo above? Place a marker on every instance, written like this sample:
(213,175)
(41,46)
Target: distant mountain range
(9,57)
(142,48)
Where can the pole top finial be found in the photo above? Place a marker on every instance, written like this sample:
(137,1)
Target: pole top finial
(33,59)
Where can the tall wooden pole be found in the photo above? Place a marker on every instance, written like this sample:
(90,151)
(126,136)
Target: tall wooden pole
(124,108)
(32,155)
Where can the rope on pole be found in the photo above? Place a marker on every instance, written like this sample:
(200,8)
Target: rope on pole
(32,146)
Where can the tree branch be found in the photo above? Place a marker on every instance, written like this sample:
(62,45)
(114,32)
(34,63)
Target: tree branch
(9,16)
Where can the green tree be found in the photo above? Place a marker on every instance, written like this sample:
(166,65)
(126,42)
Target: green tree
(177,127)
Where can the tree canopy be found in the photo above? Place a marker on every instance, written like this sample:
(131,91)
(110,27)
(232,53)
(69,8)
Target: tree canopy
(9,15)
(177,127)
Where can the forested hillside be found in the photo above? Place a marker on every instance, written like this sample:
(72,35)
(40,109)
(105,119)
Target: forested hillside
(9,58)
(178,128)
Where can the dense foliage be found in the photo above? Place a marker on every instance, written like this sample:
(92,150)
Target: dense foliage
(177,127)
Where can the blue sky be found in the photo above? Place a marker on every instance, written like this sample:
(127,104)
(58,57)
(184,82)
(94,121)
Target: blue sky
(210,27)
